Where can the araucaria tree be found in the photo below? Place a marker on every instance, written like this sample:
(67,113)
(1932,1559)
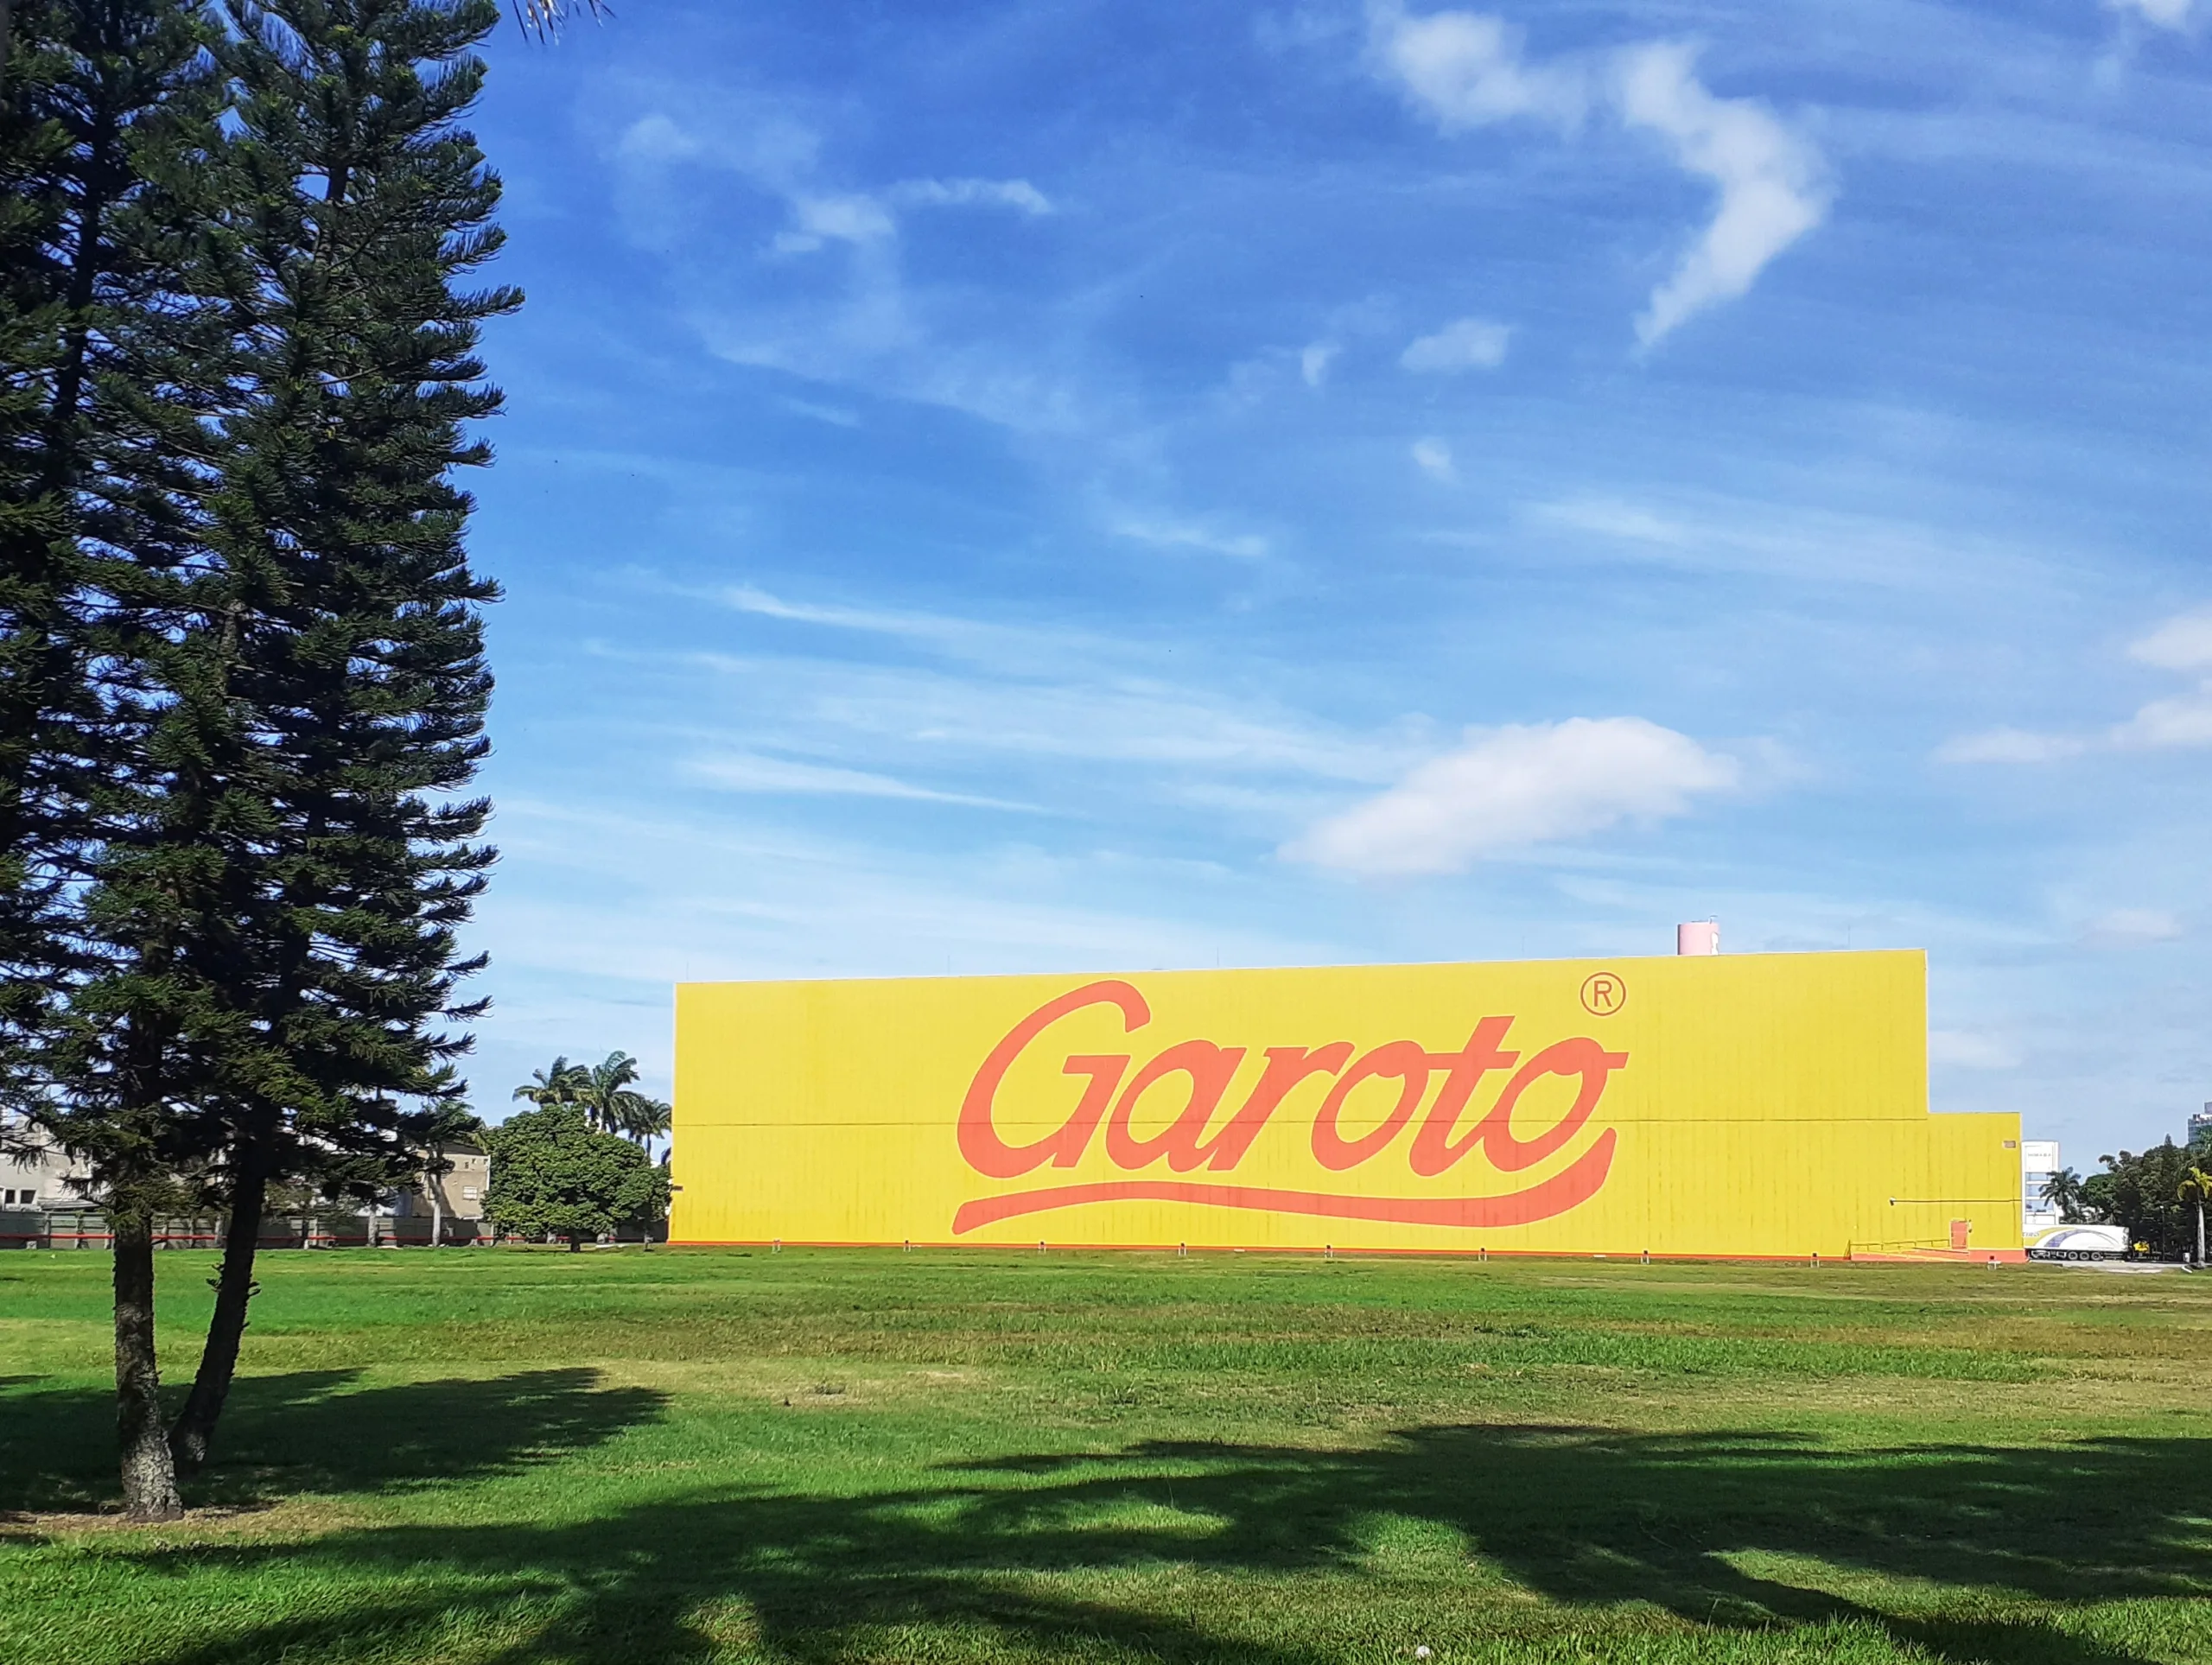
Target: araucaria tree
(107,111)
(288,680)
(357,207)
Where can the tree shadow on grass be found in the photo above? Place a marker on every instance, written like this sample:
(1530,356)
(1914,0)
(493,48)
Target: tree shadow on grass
(316,1431)
(1966,1554)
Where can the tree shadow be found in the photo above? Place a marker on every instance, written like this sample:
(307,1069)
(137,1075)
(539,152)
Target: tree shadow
(1968,1553)
(316,1431)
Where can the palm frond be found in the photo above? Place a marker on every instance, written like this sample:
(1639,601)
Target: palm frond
(544,18)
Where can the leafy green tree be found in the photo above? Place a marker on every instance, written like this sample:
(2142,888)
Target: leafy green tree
(2143,1193)
(553,1174)
(2062,1191)
(2096,1196)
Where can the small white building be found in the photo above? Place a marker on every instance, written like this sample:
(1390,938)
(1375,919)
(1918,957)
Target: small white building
(2038,1162)
(38,1176)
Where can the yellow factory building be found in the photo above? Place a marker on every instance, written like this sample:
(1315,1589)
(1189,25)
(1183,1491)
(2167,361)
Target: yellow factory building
(1769,1105)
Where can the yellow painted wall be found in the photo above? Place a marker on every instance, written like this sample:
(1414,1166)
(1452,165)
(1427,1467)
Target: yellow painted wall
(1758,1104)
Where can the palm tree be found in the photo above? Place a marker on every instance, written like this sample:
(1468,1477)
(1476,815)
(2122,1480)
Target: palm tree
(544,18)
(2196,1187)
(561,1085)
(2062,1191)
(607,1098)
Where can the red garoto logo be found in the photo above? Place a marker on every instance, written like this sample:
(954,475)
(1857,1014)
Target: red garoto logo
(1192,1143)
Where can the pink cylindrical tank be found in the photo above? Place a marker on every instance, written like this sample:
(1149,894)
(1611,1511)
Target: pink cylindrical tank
(1698,936)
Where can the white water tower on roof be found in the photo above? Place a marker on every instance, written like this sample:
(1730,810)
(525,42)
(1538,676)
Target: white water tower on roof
(1698,936)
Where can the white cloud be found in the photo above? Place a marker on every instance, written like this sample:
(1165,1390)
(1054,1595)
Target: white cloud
(2186,720)
(2160,725)
(748,599)
(1189,535)
(1611,519)
(2166,14)
(2132,927)
(1016,194)
(865,326)
(1465,344)
(1466,69)
(1314,360)
(836,416)
(1510,788)
(750,773)
(654,139)
(2010,746)
(1434,458)
(852,218)
(1771,180)
(1023,692)
(2183,643)
(1970,1050)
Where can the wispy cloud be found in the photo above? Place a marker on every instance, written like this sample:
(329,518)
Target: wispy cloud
(1970,1049)
(1022,690)
(1465,344)
(738,899)
(2010,746)
(1465,69)
(1016,194)
(1173,534)
(2185,720)
(1772,183)
(2183,642)
(1433,458)
(750,772)
(1468,69)
(2163,13)
(2133,927)
(868,324)
(1510,788)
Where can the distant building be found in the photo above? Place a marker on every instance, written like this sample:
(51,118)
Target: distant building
(46,1196)
(460,1198)
(2200,1129)
(2038,1162)
(40,1175)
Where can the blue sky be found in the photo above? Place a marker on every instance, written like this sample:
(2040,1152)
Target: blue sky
(1012,487)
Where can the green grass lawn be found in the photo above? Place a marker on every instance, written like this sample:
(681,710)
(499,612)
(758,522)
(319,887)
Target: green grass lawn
(498,1456)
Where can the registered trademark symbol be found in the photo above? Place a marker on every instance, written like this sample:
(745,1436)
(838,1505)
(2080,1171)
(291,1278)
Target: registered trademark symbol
(1603,994)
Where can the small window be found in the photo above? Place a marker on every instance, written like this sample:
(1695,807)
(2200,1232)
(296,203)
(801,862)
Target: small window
(468,1190)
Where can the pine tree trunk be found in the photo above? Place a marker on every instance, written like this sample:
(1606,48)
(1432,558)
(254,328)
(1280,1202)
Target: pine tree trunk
(149,1474)
(194,1432)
